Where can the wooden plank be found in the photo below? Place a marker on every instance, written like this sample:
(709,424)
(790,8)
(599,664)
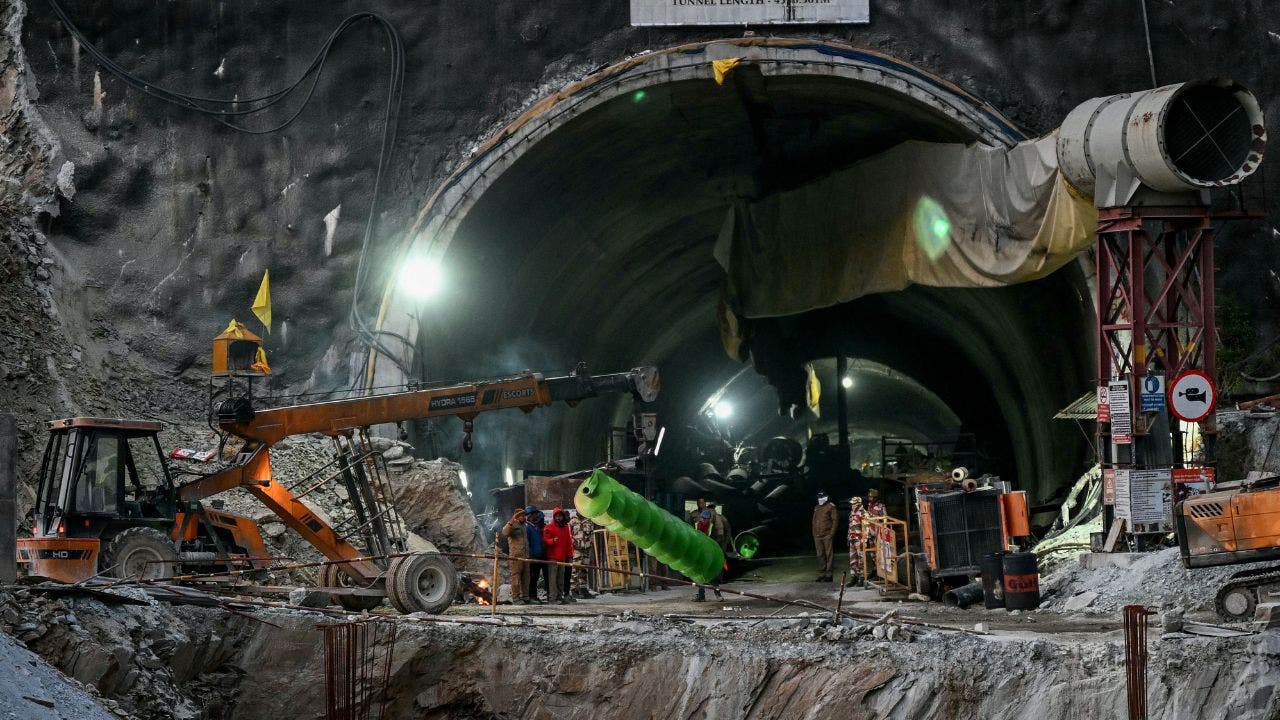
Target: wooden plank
(1117,527)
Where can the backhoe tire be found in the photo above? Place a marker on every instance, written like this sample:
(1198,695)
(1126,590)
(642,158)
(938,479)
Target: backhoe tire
(421,583)
(335,576)
(139,553)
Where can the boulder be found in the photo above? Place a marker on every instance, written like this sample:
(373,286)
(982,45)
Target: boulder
(433,504)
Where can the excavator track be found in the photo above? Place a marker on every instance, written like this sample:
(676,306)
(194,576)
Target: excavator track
(1237,599)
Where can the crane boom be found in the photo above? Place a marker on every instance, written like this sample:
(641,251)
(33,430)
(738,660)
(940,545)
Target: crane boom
(236,358)
(525,391)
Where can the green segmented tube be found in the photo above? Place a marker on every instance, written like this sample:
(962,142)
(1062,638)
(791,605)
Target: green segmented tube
(654,530)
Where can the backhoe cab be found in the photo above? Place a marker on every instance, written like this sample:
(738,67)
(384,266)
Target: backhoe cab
(106,505)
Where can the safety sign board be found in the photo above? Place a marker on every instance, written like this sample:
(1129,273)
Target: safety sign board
(1144,497)
(1191,481)
(1121,416)
(1151,399)
(1104,405)
(1192,396)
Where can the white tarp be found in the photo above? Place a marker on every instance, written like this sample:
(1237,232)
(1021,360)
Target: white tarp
(945,215)
(748,12)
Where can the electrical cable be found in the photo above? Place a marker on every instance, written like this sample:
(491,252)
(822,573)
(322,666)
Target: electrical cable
(1151,58)
(221,109)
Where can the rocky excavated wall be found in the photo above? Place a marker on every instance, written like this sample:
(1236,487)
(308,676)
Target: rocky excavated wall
(161,662)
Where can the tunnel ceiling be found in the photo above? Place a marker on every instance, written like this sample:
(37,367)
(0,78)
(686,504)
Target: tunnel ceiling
(637,190)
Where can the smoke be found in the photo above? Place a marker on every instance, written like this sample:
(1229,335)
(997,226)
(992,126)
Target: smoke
(506,438)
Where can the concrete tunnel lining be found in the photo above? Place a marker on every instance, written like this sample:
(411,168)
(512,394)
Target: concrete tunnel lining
(437,222)
(546,276)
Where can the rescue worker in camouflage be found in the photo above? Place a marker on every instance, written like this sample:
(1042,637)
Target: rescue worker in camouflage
(518,548)
(875,506)
(857,514)
(583,530)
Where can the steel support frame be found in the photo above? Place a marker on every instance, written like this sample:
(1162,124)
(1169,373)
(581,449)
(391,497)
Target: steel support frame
(1155,294)
(1155,313)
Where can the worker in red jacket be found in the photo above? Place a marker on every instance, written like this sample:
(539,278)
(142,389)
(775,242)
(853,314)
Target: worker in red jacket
(557,540)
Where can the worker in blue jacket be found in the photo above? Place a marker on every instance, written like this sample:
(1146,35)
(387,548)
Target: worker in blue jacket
(536,521)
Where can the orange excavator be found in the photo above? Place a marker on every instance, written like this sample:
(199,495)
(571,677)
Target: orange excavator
(107,503)
(1238,523)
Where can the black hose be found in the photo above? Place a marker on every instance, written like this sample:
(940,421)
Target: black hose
(223,109)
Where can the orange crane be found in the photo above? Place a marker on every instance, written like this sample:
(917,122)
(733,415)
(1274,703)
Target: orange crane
(107,503)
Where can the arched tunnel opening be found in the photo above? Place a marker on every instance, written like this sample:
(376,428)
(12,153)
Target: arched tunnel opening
(588,231)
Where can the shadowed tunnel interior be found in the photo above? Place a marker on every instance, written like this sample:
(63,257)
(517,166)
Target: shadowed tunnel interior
(596,244)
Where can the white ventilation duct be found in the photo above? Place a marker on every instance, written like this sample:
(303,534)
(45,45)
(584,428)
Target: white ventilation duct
(1174,139)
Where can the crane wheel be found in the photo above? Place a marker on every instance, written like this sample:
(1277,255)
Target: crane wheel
(335,576)
(421,583)
(139,553)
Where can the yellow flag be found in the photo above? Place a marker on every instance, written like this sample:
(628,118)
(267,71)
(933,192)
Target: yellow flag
(262,303)
(722,68)
(812,390)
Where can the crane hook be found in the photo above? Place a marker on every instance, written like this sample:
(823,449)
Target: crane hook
(467,428)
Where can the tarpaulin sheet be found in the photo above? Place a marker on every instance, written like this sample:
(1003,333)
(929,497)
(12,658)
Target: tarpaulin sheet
(945,215)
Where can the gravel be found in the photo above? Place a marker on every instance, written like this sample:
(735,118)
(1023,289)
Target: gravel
(1155,579)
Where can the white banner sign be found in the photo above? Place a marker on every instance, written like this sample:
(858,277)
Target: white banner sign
(1121,500)
(1121,417)
(749,12)
(1143,497)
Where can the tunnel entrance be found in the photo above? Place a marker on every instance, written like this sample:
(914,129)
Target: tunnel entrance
(586,230)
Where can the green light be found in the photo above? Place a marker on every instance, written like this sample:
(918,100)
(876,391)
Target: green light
(932,228)
(639,96)
(941,228)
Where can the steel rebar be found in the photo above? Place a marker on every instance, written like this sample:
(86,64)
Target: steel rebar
(1135,659)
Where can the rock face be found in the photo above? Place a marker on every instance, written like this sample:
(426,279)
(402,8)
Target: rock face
(34,690)
(434,505)
(158,661)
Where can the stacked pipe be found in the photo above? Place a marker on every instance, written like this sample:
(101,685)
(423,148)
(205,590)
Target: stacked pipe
(659,533)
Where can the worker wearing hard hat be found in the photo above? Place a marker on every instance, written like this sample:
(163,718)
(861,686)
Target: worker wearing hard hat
(875,506)
(583,530)
(824,530)
(857,568)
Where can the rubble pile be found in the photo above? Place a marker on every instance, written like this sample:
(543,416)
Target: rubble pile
(1155,579)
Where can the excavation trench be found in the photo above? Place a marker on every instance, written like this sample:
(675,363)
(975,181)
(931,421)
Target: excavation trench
(160,661)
